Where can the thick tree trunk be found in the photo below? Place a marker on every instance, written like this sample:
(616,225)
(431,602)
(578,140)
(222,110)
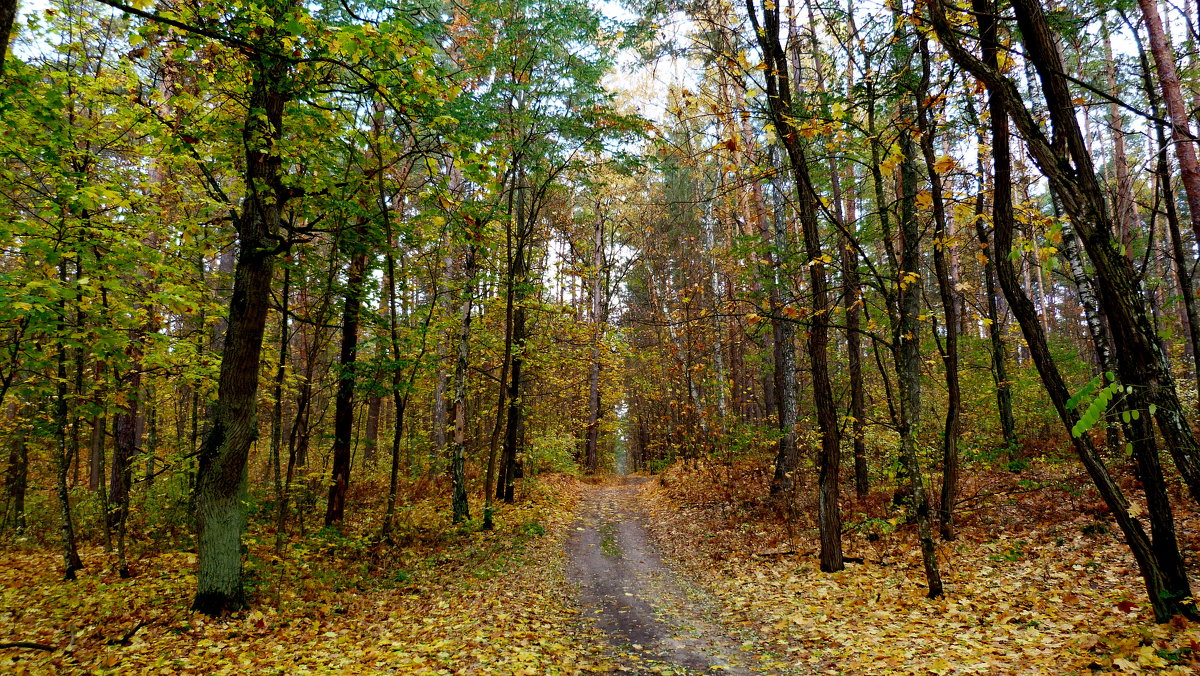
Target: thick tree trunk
(220,495)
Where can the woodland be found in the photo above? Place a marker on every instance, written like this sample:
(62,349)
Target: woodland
(330,330)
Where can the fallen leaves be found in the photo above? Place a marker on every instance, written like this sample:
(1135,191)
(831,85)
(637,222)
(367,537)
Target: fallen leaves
(1024,594)
(469,603)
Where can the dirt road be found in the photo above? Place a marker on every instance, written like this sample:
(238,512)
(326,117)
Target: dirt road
(652,617)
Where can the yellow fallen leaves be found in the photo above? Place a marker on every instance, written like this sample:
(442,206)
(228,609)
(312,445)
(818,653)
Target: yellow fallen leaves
(488,603)
(1022,598)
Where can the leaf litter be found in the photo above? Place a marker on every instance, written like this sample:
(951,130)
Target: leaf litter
(442,602)
(1037,581)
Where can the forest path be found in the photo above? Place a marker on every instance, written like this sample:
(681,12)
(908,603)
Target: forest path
(654,619)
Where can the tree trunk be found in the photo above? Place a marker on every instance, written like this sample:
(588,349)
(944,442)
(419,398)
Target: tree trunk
(514,424)
(17,477)
(491,484)
(515,409)
(437,450)
(96,453)
(121,477)
(1166,585)
(999,353)
(906,345)
(780,110)
(1181,133)
(279,476)
(70,552)
(220,495)
(371,430)
(343,416)
(458,477)
(591,450)
(8,14)
(949,349)
(1183,261)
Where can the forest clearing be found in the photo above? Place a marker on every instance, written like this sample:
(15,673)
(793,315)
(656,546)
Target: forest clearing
(506,336)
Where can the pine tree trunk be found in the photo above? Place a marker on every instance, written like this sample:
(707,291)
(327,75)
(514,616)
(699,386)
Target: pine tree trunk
(1172,96)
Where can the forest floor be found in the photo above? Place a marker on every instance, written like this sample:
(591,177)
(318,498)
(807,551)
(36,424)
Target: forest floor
(693,571)
(1038,580)
(439,600)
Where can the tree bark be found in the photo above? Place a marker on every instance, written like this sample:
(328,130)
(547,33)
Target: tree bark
(1166,585)
(906,344)
(281,478)
(949,350)
(1183,261)
(780,106)
(998,357)
(461,508)
(591,449)
(70,552)
(343,416)
(121,478)
(219,504)
(16,480)
(1181,133)
(8,14)
(515,409)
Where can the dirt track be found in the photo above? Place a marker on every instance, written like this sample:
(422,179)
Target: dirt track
(650,615)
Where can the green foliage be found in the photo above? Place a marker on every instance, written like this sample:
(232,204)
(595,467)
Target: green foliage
(1098,403)
(552,452)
